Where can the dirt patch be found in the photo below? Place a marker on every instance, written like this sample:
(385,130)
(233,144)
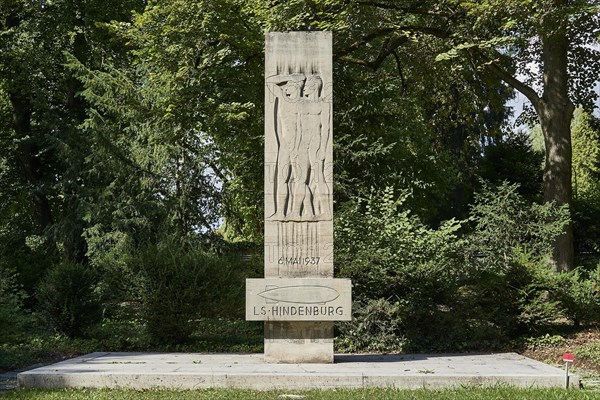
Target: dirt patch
(553,354)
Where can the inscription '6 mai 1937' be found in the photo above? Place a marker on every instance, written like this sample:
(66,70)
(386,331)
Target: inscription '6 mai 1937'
(299,260)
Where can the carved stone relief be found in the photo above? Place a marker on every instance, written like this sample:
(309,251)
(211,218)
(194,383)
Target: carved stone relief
(302,127)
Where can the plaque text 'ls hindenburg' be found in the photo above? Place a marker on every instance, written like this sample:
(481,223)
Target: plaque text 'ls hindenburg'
(298,298)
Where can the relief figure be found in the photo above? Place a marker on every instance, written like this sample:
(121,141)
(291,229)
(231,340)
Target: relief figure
(303,131)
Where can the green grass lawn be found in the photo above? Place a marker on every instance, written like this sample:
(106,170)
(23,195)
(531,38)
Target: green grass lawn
(458,394)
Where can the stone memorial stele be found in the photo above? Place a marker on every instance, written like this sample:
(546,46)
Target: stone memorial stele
(299,299)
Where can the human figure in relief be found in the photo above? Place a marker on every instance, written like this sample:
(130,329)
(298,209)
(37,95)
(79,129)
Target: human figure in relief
(287,89)
(303,130)
(312,195)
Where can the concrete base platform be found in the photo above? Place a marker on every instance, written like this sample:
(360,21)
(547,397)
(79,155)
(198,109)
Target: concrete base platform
(196,371)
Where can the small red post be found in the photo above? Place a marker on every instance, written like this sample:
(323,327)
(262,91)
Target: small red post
(567,358)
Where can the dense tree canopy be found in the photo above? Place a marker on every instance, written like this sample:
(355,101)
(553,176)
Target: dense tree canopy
(134,129)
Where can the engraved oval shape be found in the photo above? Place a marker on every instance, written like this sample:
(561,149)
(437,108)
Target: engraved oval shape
(310,294)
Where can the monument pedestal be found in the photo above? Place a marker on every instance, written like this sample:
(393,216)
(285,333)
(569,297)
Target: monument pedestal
(299,342)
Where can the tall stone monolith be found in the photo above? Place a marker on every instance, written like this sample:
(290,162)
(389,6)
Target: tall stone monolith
(299,299)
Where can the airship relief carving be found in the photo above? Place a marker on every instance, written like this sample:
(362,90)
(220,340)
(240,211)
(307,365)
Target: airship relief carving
(310,294)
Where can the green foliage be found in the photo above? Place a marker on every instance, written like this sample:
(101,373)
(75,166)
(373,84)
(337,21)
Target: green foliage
(384,139)
(66,297)
(536,307)
(180,282)
(585,133)
(590,352)
(489,28)
(510,244)
(13,318)
(579,294)
(120,333)
(585,136)
(405,121)
(484,287)
(381,246)
(506,226)
(127,332)
(43,349)
(130,136)
(402,272)
(487,41)
(228,335)
(513,159)
(44,173)
(546,340)
(377,327)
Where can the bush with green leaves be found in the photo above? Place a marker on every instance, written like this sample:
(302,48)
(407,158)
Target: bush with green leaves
(180,282)
(381,245)
(514,239)
(13,318)
(532,304)
(67,297)
(506,227)
(578,292)
(589,352)
(510,243)
(441,289)
(376,327)
(402,271)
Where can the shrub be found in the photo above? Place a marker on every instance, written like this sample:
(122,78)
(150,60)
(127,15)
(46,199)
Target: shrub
(509,245)
(389,254)
(544,341)
(66,297)
(506,227)
(13,319)
(375,327)
(535,307)
(578,292)
(589,352)
(387,251)
(179,283)
(450,292)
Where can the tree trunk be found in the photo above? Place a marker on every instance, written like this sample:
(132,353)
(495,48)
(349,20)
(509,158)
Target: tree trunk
(74,245)
(555,122)
(555,111)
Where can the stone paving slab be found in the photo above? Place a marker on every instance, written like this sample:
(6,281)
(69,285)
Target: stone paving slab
(202,370)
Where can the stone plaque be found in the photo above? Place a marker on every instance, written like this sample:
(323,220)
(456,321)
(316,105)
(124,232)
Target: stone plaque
(298,299)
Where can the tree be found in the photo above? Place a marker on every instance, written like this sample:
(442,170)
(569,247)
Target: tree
(513,159)
(543,49)
(45,111)
(187,117)
(585,130)
(188,65)
(400,120)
